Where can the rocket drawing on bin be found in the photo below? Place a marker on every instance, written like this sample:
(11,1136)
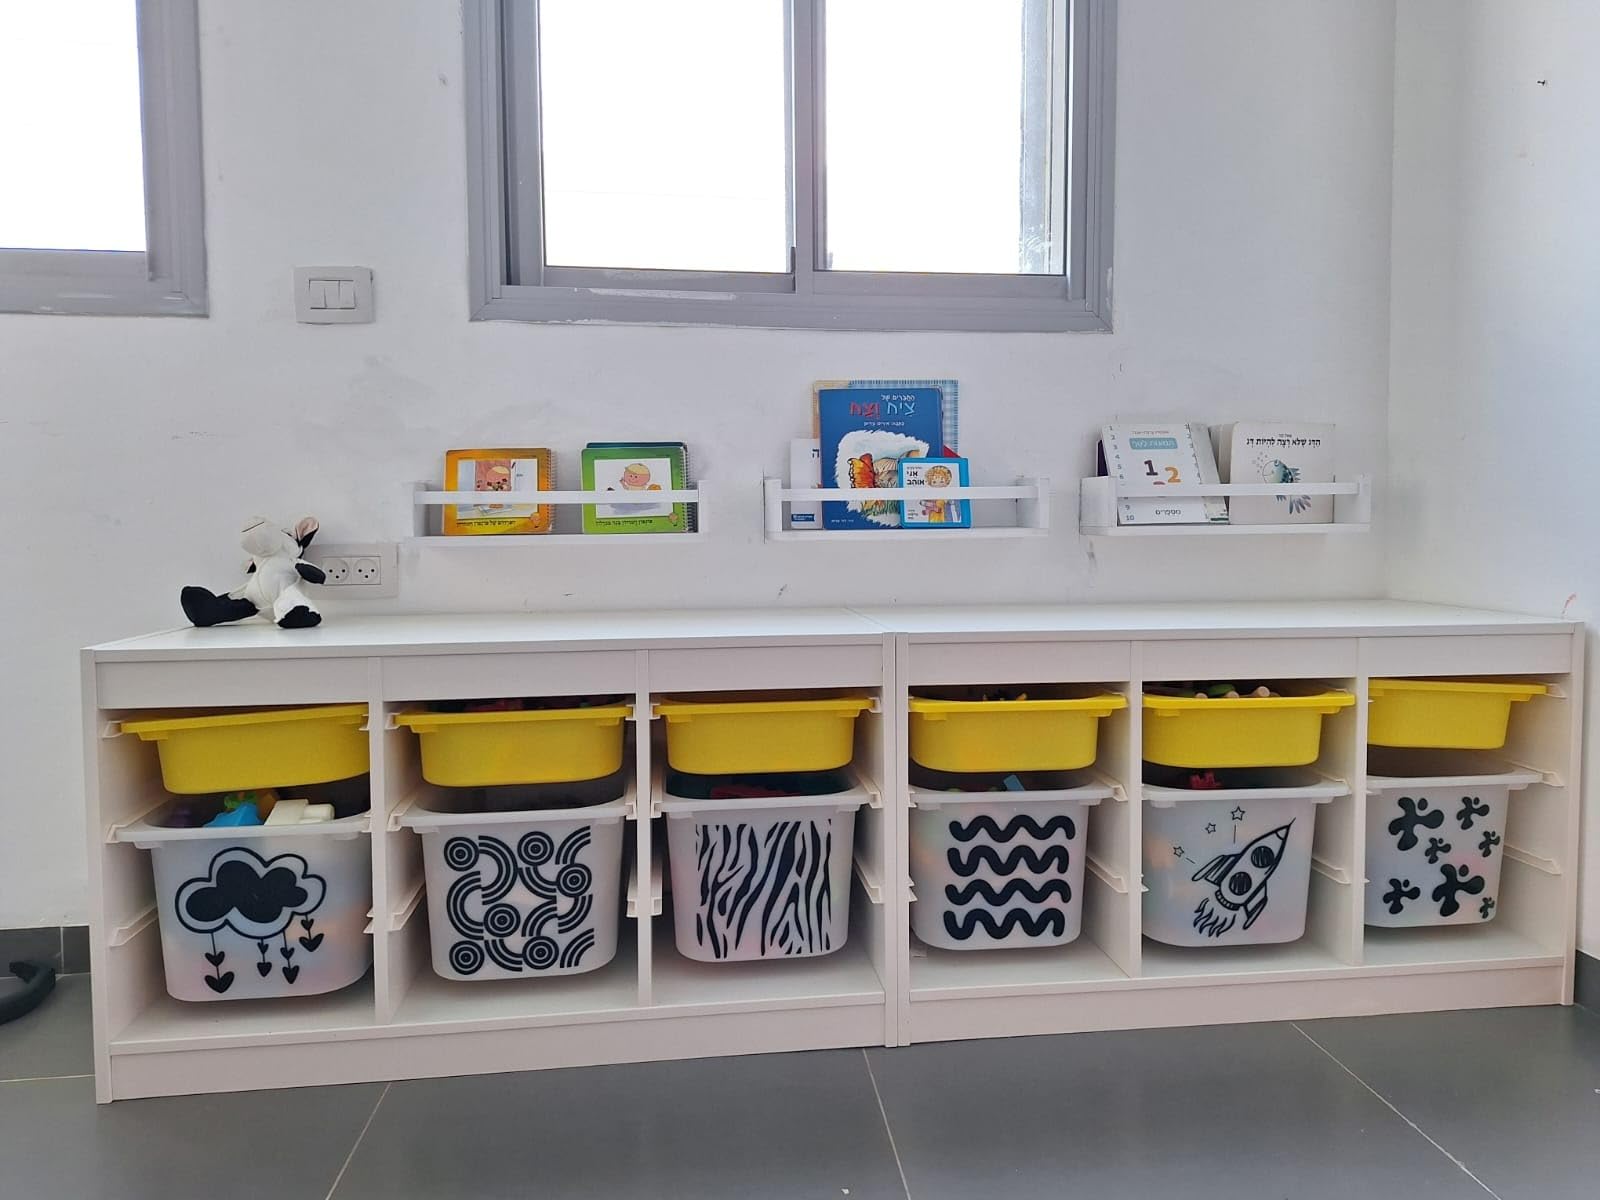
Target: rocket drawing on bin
(1241,880)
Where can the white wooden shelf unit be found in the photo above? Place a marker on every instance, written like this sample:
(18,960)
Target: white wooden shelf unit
(1098,496)
(883,988)
(1028,500)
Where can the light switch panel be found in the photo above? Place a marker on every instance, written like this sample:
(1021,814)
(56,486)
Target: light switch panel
(333,295)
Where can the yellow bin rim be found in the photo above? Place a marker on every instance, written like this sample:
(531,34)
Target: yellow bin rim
(427,722)
(1322,702)
(676,709)
(1511,691)
(1099,705)
(157,728)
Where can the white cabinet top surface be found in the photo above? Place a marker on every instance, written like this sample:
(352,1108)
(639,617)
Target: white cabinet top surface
(358,636)
(1308,618)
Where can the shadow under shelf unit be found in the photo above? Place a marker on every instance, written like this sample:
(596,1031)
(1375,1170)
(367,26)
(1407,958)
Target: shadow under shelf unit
(883,987)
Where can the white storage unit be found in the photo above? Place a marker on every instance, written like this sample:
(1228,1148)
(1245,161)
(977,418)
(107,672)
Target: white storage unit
(650,1002)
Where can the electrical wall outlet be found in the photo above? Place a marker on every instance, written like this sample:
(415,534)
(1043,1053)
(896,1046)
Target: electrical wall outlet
(363,570)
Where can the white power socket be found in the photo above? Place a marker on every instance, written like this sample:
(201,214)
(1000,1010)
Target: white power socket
(368,570)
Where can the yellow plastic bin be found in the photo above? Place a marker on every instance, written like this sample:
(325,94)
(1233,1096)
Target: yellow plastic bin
(541,745)
(286,747)
(1054,729)
(1448,714)
(1250,731)
(724,735)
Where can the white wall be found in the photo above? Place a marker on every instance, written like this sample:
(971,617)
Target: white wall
(1253,200)
(1494,423)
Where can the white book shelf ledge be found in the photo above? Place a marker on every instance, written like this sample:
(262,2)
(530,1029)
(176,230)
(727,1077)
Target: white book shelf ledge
(1098,497)
(1029,500)
(427,503)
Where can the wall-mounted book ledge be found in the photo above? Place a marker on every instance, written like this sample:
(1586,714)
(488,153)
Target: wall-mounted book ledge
(1029,504)
(428,503)
(1098,498)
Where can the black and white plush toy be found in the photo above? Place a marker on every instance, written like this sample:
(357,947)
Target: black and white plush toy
(275,583)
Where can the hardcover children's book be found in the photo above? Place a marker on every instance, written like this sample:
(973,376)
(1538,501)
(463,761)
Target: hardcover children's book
(490,471)
(633,470)
(1285,452)
(1162,456)
(865,432)
(934,475)
(805,471)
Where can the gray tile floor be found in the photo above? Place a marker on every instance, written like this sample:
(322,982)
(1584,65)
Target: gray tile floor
(1466,1104)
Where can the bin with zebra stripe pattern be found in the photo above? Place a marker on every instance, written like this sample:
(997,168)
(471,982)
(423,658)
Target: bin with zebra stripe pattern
(999,870)
(761,878)
(521,894)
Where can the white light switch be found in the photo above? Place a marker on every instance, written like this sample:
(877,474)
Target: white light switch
(333,295)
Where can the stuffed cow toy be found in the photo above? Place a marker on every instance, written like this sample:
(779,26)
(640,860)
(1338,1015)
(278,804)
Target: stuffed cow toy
(275,583)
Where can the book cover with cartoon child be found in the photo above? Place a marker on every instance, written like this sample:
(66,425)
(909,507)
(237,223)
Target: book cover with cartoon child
(633,471)
(865,432)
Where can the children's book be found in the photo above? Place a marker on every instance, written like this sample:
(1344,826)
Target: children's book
(805,471)
(489,471)
(1161,456)
(934,475)
(1285,452)
(633,470)
(949,403)
(865,432)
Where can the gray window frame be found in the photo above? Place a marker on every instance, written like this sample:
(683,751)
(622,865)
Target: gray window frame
(508,280)
(168,278)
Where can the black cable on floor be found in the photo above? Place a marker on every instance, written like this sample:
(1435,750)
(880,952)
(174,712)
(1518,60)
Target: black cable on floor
(37,983)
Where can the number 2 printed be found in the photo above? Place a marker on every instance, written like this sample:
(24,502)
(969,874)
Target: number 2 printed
(1172,474)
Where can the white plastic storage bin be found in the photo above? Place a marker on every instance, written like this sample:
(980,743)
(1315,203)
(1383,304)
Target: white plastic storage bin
(260,911)
(520,895)
(1436,829)
(1231,867)
(757,878)
(1001,870)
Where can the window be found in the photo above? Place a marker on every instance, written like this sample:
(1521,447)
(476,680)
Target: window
(100,135)
(851,164)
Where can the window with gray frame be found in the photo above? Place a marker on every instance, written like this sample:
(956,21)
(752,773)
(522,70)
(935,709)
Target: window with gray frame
(822,164)
(101,212)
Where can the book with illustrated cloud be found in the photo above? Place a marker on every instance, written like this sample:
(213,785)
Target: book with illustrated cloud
(864,433)
(633,470)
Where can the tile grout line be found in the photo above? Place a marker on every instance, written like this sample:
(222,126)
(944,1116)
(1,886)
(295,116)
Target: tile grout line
(349,1158)
(43,1078)
(882,1112)
(1385,1102)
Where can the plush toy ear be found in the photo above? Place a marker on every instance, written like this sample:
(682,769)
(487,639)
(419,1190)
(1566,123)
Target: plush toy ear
(305,531)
